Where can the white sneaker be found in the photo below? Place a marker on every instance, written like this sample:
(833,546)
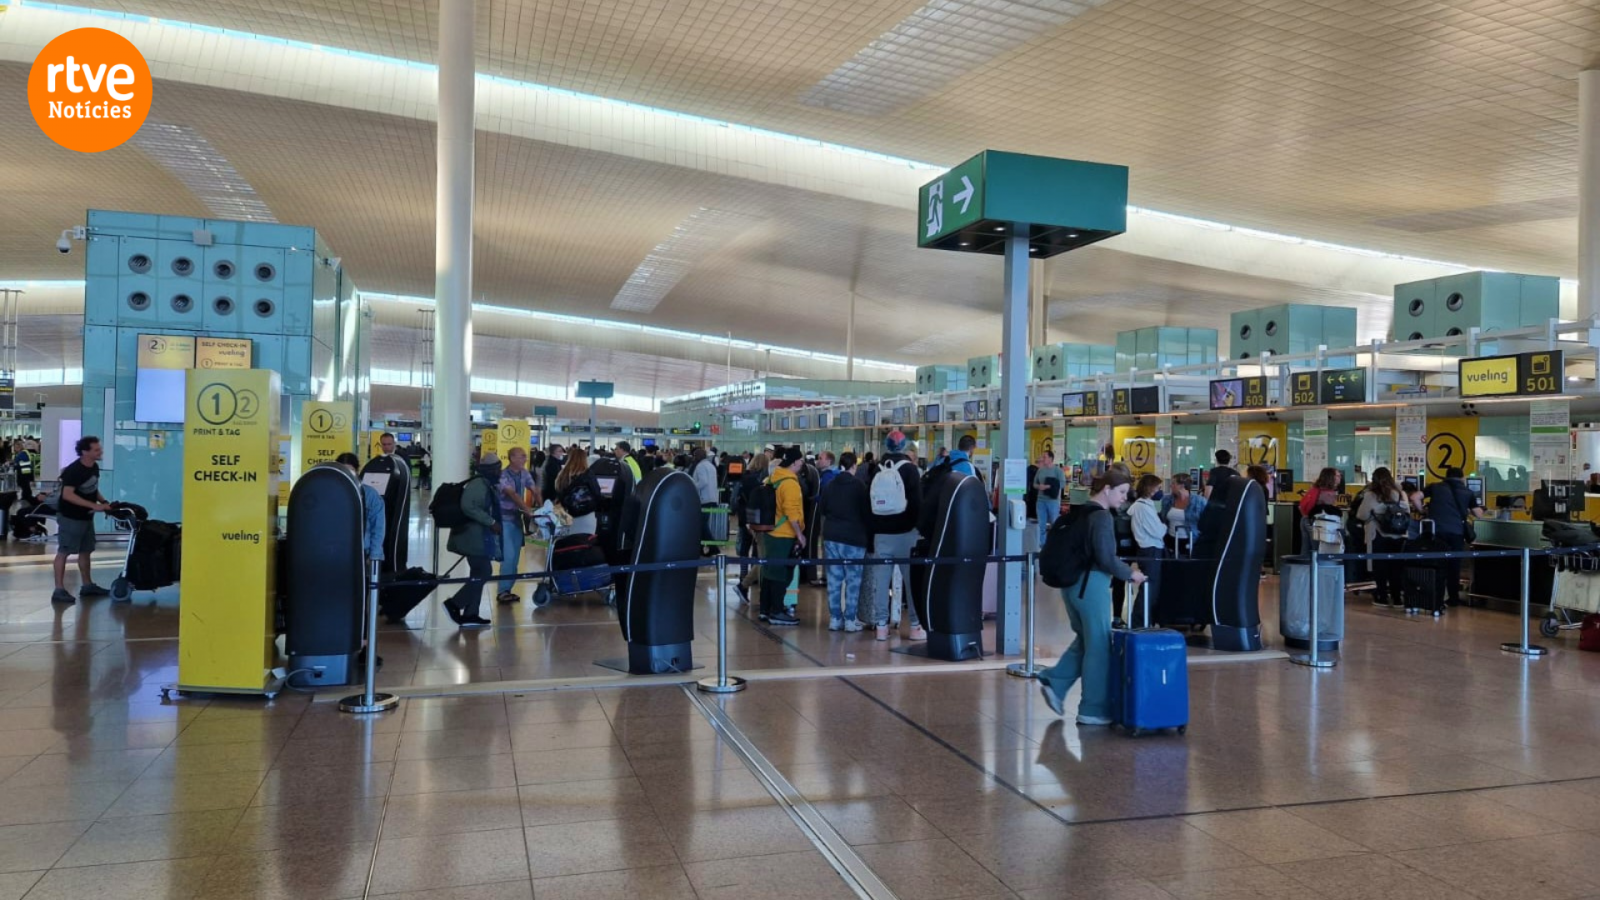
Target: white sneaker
(1092,720)
(917,634)
(835,624)
(853,626)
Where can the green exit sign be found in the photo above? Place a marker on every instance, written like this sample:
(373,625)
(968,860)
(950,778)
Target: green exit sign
(1057,204)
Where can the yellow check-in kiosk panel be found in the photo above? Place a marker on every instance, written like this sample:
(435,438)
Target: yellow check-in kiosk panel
(230,515)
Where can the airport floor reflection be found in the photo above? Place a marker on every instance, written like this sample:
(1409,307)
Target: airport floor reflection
(1427,765)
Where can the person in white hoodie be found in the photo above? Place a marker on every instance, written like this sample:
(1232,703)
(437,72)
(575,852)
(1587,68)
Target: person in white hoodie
(1150,537)
(704,472)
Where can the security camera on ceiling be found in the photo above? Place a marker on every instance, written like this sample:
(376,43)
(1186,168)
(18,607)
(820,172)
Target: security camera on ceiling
(68,235)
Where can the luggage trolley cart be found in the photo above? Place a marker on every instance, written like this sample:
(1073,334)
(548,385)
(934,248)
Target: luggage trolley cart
(548,534)
(1576,589)
(151,561)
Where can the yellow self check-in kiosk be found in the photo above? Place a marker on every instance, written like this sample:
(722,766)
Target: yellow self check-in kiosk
(230,518)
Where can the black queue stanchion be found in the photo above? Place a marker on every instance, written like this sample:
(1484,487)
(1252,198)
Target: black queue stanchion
(722,682)
(369,700)
(1314,660)
(1030,571)
(1522,647)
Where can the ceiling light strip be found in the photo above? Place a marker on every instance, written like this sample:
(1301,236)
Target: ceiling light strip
(198,166)
(934,46)
(701,233)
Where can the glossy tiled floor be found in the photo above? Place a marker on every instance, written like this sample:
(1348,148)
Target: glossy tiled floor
(1428,765)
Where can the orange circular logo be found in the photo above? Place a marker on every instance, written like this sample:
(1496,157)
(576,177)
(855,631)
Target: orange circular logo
(90,90)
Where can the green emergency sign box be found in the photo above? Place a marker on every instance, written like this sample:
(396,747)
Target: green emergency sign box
(1060,204)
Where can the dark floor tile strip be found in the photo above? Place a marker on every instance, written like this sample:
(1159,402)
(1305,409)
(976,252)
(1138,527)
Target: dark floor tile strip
(855,872)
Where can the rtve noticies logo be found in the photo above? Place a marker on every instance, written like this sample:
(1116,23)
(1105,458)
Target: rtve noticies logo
(90,90)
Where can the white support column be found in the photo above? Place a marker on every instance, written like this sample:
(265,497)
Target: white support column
(452,346)
(850,341)
(1589,193)
(1014,361)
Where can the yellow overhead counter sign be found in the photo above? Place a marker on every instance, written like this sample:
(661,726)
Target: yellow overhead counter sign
(1525,374)
(230,513)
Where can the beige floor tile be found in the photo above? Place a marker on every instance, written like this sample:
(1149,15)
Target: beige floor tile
(118,766)
(1110,890)
(323,784)
(720,789)
(464,773)
(657,883)
(452,743)
(27,848)
(588,847)
(1368,877)
(583,801)
(1475,817)
(1034,852)
(418,815)
(144,838)
(451,860)
(187,793)
(1165,847)
(176,879)
(505,890)
(16,885)
(214,759)
(1554,802)
(56,802)
(1258,883)
(728,834)
(1274,835)
(1505,870)
(876,820)
(309,825)
(934,869)
(325,873)
(339,751)
(788,876)
(553,766)
(582,735)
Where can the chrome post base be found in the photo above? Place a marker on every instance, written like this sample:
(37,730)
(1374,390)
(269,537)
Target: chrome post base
(1304,659)
(1530,650)
(713,685)
(357,703)
(1023,670)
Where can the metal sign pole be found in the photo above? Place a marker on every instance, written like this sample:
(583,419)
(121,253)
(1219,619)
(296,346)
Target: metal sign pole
(1522,647)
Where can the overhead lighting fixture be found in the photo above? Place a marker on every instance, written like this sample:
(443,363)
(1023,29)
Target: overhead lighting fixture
(700,234)
(934,46)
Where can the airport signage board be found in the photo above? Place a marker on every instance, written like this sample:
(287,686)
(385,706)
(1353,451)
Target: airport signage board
(1331,387)
(222,353)
(1083,403)
(1517,375)
(1056,204)
(1239,393)
(1137,401)
(975,411)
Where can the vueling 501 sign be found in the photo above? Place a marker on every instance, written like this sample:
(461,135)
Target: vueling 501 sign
(89,90)
(1509,376)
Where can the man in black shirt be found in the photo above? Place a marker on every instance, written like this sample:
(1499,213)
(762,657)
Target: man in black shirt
(80,500)
(1450,502)
(1223,471)
(846,510)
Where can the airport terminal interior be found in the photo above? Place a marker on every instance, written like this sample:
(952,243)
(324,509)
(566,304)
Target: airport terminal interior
(780,450)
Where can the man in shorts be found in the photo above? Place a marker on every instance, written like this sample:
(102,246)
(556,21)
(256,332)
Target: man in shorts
(80,500)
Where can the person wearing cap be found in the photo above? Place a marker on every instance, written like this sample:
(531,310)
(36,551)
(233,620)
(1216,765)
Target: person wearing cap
(780,542)
(1088,600)
(478,541)
(894,535)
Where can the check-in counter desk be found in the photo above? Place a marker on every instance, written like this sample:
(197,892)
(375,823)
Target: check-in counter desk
(1499,580)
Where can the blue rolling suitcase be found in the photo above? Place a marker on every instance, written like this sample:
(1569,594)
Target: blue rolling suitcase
(1149,679)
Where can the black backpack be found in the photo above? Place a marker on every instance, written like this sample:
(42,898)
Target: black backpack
(1393,519)
(445,507)
(930,481)
(1066,556)
(761,507)
(579,499)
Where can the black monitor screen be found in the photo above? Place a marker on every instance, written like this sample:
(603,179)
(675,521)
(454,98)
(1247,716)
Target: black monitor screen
(869,418)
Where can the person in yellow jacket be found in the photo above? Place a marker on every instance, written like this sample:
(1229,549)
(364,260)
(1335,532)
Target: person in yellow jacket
(780,542)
